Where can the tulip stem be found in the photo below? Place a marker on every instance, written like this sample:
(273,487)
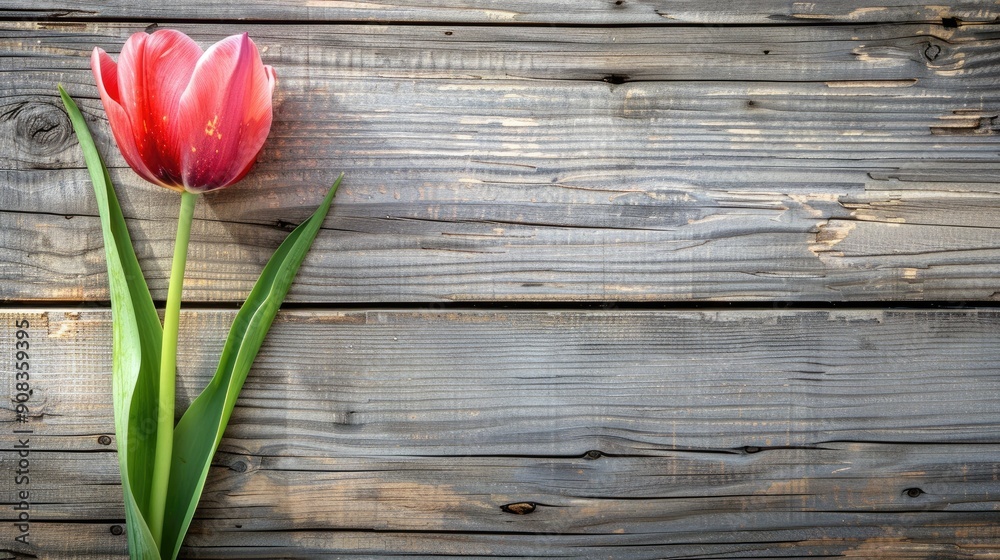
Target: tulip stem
(168,371)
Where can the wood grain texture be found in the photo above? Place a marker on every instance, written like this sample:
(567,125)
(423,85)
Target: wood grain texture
(632,150)
(602,12)
(621,434)
(507,163)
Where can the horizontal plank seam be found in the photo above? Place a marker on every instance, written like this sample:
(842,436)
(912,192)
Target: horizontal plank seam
(57,19)
(489,306)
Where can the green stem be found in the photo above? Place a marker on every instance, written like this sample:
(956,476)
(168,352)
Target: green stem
(168,371)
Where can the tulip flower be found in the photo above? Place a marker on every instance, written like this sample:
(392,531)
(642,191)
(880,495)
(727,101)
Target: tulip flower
(193,122)
(184,119)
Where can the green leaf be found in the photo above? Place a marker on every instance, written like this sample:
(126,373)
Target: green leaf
(199,431)
(136,334)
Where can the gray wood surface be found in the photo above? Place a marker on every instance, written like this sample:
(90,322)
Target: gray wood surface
(593,12)
(747,163)
(552,151)
(614,434)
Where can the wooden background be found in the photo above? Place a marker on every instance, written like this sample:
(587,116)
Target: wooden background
(615,279)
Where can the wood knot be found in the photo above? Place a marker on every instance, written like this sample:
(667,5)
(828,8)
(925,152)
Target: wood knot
(41,130)
(284,225)
(104,440)
(932,52)
(913,492)
(240,463)
(520,508)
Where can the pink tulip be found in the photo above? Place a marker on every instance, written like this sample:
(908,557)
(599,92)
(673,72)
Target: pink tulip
(184,119)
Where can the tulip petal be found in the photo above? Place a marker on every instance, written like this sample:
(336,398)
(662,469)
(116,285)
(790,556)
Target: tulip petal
(106,74)
(263,103)
(153,72)
(171,58)
(226,110)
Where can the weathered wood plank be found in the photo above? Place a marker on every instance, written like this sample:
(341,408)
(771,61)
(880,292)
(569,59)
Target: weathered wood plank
(604,12)
(808,163)
(369,382)
(838,498)
(55,540)
(628,434)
